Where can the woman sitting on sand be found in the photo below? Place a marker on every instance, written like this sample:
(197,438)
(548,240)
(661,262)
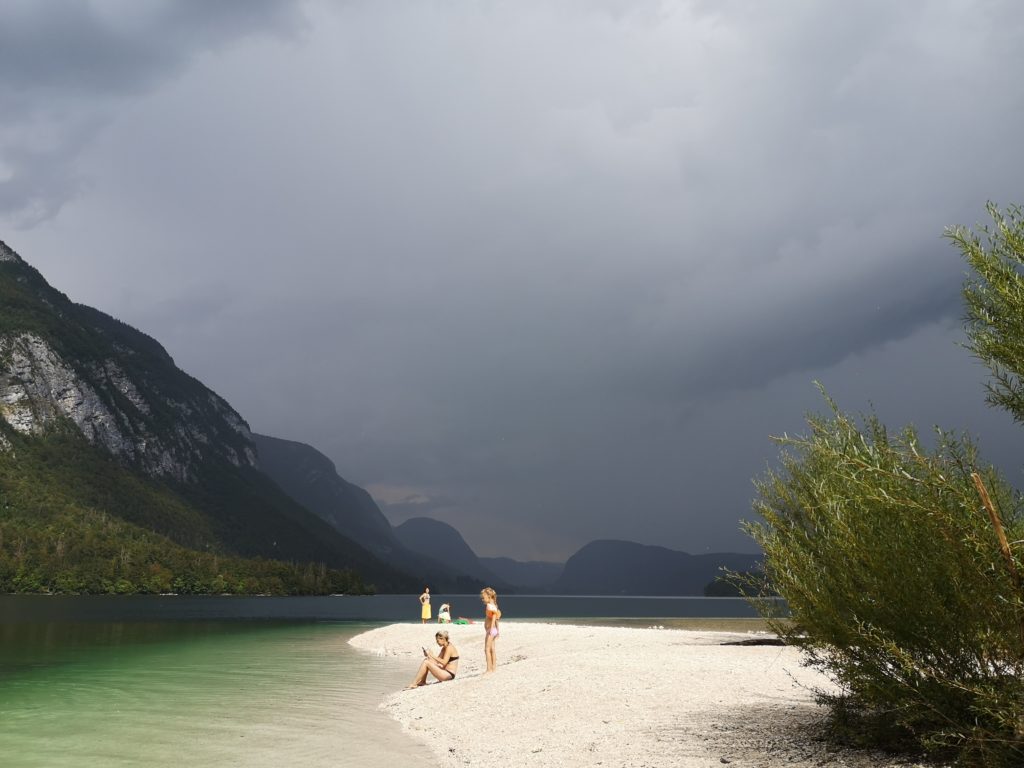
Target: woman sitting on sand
(491,617)
(442,667)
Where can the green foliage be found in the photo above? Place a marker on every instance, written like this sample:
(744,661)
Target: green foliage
(74,521)
(890,558)
(994,295)
(62,468)
(246,509)
(897,586)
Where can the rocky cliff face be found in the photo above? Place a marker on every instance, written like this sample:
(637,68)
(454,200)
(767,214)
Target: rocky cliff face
(6,254)
(64,363)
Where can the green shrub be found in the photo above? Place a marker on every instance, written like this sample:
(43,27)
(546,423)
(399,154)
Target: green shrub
(994,295)
(900,565)
(897,585)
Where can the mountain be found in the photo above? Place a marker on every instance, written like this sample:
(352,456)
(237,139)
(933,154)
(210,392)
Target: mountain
(95,416)
(119,387)
(609,567)
(441,542)
(531,574)
(311,478)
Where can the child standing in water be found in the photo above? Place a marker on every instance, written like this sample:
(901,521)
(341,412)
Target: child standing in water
(491,616)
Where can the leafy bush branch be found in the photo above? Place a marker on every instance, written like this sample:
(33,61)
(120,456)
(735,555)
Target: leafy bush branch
(901,565)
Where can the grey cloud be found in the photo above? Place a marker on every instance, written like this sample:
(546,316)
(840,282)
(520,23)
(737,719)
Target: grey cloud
(419,506)
(562,266)
(41,180)
(816,325)
(114,47)
(65,70)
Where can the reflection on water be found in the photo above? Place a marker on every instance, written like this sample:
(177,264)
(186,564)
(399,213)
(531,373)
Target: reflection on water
(195,693)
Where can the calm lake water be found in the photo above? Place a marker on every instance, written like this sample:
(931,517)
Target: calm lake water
(223,681)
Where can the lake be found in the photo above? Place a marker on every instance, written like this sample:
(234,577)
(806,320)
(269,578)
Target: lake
(227,681)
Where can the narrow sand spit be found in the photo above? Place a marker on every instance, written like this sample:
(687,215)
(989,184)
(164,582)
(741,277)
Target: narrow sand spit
(605,696)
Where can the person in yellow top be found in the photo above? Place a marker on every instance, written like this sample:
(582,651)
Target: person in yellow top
(425,605)
(492,614)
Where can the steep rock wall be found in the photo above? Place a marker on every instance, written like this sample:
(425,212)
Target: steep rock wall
(38,387)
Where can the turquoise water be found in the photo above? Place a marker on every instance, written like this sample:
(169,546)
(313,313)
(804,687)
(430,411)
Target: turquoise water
(224,681)
(189,693)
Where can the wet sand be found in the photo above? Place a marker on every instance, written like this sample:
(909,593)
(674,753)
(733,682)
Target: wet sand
(566,695)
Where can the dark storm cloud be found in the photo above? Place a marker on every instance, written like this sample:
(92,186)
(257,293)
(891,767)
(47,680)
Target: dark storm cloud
(65,68)
(552,272)
(822,326)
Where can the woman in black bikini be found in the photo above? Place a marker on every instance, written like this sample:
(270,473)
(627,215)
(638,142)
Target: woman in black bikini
(443,666)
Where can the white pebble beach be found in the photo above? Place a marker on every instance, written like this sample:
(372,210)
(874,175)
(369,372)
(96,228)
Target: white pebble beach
(567,695)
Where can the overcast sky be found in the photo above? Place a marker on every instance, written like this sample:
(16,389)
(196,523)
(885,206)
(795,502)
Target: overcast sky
(549,272)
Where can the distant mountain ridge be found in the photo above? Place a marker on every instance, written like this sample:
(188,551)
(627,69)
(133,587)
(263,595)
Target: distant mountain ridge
(603,567)
(531,574)
(311,478)
(443,543)
(611,567)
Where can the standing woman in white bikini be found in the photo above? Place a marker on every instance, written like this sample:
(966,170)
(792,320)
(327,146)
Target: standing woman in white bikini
(491,616)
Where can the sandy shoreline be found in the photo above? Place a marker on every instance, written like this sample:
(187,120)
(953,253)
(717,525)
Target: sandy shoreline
(569,695)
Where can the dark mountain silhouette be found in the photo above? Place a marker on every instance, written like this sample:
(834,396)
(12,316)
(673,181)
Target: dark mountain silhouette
(443,543)
(609,567)
(531,574)
(311,478)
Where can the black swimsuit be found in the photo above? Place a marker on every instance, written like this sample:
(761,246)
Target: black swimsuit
(445,667)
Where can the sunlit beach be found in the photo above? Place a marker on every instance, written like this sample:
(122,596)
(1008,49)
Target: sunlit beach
(574,695)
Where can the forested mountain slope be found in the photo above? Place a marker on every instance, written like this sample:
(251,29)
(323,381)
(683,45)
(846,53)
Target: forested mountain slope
(96,420)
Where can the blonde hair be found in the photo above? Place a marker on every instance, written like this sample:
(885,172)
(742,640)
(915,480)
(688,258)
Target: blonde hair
(441,633)
(489,594)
